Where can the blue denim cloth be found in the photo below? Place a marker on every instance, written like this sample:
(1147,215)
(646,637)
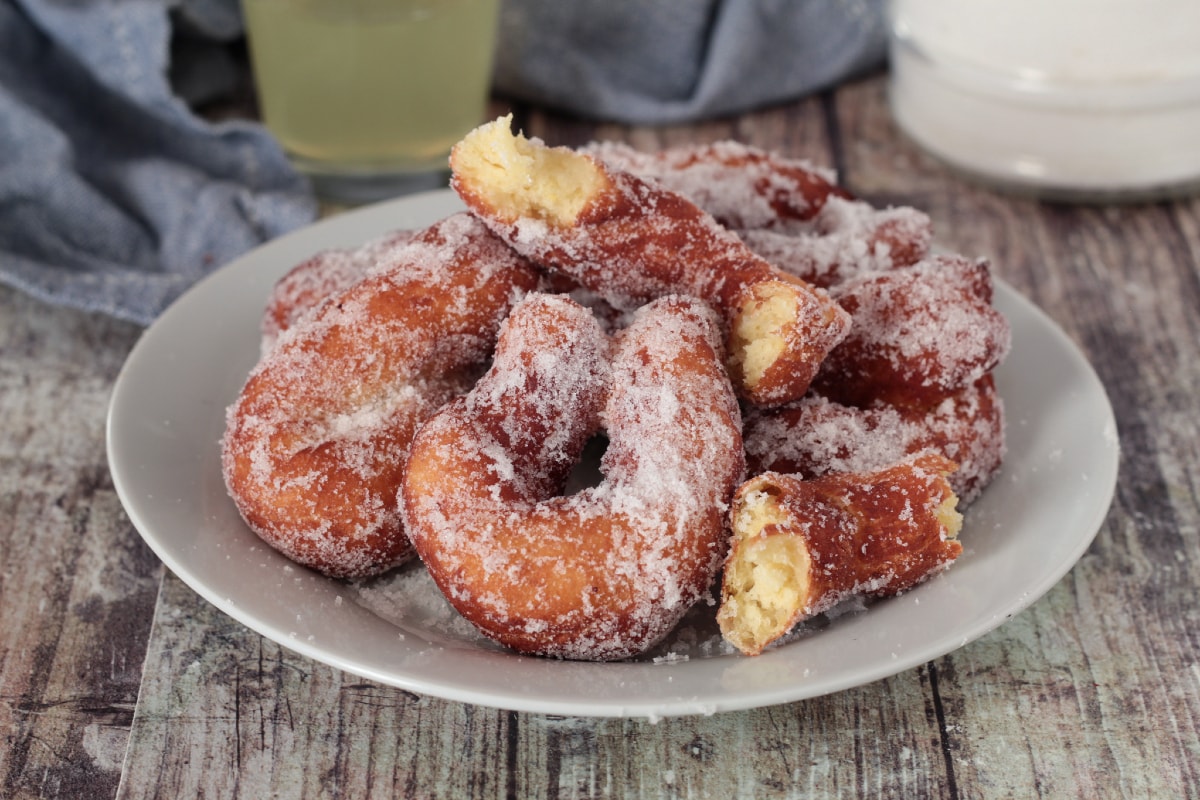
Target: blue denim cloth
(114,196)
(666,61)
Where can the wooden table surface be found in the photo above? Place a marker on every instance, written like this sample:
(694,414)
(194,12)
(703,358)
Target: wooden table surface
(117,680)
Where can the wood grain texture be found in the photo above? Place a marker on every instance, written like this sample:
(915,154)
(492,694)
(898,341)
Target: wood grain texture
(242,717)
(77,585)
(1092,692)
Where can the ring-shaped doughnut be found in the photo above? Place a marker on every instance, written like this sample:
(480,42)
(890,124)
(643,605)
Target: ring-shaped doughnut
(315,443)
(608,571)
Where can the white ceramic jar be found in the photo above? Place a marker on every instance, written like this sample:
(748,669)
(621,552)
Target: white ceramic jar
(1081,99)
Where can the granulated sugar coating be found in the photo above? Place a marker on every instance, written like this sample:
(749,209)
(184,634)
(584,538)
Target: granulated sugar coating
(327,274)
(919,334)
(743,187)
(606,572)
(788,211)
(846,239)
(815,437)
(316,442)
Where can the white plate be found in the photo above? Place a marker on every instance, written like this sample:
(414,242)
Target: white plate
(167,416)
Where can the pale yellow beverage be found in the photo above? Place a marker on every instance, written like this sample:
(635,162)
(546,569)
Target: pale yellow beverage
(371,86)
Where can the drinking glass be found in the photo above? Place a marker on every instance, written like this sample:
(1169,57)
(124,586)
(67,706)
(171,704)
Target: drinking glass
(368,96)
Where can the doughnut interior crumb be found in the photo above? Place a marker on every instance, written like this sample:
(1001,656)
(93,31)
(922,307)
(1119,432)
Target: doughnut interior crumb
(521,178)
(759,336)
(948,515)
(766,578)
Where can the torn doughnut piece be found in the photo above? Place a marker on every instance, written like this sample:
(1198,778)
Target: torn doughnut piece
(631,241)
(606,572)
(800,547)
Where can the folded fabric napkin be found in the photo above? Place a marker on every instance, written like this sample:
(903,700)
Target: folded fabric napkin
(115,196)
(664,61)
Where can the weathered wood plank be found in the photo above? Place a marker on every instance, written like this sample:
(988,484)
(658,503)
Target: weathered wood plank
(77,586)
(242,717)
